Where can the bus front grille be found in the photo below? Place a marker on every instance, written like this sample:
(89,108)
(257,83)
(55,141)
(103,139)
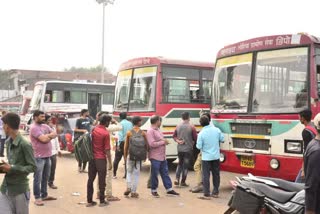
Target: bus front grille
(251,128)
(256,144)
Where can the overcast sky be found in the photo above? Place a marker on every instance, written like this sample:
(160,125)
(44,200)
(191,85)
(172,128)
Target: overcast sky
(57,34)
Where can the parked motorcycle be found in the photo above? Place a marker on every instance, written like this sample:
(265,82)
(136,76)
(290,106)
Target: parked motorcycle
(263,195)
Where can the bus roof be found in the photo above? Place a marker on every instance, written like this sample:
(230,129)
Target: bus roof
(268,42)
(146,61)
(70,82)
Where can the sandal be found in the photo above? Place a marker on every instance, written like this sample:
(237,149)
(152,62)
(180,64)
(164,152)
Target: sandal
(49,198)
(134,195)
(202,197)
(38,202)
(112,198)
(93,203)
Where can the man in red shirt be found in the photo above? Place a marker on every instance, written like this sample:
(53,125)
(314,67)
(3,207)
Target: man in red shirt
(101,150)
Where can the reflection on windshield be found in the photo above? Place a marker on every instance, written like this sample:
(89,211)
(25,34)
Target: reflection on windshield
(143,91)
(280,81)
(232,82)
(140,88)
(36,97)
(122,90)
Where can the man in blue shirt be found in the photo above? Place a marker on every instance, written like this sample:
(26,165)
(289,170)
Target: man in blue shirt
(126,126)
(209,144)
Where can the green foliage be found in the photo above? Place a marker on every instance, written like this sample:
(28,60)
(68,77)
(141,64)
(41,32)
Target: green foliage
(95,69)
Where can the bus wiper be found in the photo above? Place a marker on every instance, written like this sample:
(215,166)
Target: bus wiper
(122,105)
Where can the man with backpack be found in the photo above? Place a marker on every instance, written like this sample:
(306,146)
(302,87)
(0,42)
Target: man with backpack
(83,125)
(136,146)
(185,135)
(98,165)
(308,134)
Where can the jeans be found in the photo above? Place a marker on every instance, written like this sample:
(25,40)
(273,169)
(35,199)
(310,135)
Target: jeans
(18,204)
(133,173)
(183,166)
(53,159)
(117,159)
(97,166)
(213,167)
(162,168)
(40,177)
(82,165)
(2,142)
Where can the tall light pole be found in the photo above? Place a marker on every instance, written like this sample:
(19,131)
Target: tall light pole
(104,4)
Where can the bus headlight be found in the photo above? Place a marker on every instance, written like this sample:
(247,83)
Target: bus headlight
(274,164)
(293,146)
(222,158)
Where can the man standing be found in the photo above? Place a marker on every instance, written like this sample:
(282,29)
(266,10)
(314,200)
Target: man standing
(2,135)
(136,146)
(309,132)
(83,125)
(185,135)
(41,136)
(126,126)
(21,162)
(209,144)
(312,172)
(55,151)
(157,156)
(101,150)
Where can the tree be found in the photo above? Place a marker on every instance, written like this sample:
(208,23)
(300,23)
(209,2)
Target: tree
(95,69)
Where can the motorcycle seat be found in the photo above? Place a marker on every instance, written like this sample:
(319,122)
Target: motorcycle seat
(275,194)
(286,185)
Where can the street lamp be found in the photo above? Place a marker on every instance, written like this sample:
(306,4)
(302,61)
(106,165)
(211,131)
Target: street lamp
(104,4)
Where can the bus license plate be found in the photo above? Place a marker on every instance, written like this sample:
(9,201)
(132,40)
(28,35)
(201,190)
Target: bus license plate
(247,161)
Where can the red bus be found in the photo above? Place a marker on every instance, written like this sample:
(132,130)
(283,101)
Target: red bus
(259,87)
(166,87)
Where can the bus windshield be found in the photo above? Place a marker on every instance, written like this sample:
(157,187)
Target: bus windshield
(136,92)
(36,98)
(279,84)
(232,82)
(281,81)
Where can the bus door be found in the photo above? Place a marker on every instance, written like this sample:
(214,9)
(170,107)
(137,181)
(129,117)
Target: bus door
(94,103)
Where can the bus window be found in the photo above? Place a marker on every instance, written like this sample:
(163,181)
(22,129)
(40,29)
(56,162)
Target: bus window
(281,81)
(108,98)
(143,89)
(180,85)
(78,97)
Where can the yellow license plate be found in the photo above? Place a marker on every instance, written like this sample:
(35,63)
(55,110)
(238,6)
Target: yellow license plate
(247,161)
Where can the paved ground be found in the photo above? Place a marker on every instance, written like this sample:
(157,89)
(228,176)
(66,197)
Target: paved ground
(70,181)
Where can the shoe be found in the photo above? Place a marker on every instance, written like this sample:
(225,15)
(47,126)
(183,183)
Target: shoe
(124,177)
(49,198)
(127,192)
(134,195)
(112,198)
(184,184)
(197,189)
(38,202)
(155,195)
(172,193)
(176,183)
(103,204)
(203,197)
(52,186)
(215,195)
(93,203)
